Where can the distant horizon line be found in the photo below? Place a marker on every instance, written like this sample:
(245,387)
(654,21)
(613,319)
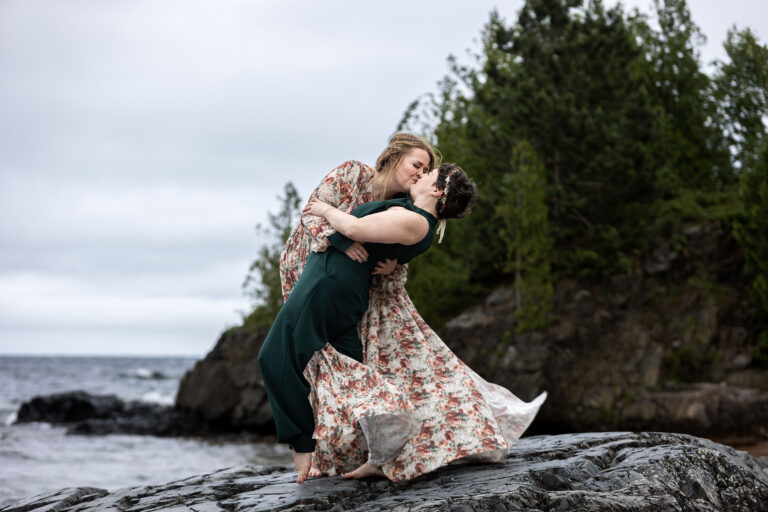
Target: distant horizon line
(96,354)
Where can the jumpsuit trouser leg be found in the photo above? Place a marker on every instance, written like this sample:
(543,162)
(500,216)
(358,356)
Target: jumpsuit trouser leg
(298,332)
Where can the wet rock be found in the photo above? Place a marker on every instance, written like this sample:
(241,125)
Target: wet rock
(69,407)
(61,499)
(85,413)
(226,388)
(588,472)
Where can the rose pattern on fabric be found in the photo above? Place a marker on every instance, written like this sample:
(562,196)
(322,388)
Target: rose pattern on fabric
(345,187)
(409,377)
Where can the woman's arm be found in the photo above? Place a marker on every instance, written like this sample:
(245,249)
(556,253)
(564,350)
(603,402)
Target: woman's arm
(340,188)
(395,225)
(346,186)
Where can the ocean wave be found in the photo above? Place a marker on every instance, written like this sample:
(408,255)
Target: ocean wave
(156,397)
(11,418)
(144,374)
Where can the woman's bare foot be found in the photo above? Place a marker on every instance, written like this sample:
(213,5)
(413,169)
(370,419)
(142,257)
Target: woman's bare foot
(364,471)
(315,472)
(303,462)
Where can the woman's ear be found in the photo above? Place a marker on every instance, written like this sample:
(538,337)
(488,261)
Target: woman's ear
(436,192)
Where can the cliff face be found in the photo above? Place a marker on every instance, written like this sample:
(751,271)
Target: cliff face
(668,347)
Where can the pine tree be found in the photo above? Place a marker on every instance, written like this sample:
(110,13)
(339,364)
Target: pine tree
(742,93)
(627,127)
(691,145)
(569,79)
(262,283)
(524,229)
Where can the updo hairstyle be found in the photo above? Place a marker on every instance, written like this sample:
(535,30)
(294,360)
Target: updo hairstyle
(461,193)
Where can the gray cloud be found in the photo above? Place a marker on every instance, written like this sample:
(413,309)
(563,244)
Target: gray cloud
(141,141)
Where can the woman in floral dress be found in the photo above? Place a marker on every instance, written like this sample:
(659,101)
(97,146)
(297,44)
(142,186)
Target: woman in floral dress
(409,381)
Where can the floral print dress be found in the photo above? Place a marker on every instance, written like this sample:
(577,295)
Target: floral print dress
(412,405)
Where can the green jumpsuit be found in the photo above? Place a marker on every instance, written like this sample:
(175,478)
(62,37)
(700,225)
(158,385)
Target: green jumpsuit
(325,306)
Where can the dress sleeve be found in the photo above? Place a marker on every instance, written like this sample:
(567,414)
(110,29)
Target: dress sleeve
(337,189)
(344,187)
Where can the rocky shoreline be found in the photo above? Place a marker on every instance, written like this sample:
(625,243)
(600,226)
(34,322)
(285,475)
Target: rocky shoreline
(85,413)
(667,347)
(89,414)
(608,471)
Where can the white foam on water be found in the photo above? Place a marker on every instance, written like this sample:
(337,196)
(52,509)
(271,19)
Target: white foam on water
(144,373)
(156,397)
(11,419)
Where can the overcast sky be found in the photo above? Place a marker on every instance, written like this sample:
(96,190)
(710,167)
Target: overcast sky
(141,141)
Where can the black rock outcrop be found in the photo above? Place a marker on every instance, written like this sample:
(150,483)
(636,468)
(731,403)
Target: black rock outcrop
(69,407)
(85,413)
(591,472)
(226,388)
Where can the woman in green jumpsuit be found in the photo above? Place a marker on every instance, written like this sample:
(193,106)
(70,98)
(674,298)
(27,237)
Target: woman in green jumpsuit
(331,295)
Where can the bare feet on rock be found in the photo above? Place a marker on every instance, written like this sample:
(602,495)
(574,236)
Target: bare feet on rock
(303,462)
(315,472)
(364,471)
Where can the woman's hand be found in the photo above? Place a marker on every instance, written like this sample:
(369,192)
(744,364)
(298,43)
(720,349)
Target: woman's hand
(316,207)
(385,267)
(357,252)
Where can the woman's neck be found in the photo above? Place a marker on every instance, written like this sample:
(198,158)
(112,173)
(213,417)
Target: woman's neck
(383,188)
(428,203)
(391,191)
(376,190)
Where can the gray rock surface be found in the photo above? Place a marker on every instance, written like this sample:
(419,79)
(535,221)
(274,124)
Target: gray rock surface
(587,472)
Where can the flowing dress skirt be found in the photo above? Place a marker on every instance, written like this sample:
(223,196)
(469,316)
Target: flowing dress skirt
(412,405)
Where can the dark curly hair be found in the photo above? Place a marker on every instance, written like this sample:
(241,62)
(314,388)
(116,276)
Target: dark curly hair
(461,193)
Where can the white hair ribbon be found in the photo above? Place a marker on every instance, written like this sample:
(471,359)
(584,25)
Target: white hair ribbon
(440,230)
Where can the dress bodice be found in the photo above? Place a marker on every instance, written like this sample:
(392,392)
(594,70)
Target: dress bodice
(379,251)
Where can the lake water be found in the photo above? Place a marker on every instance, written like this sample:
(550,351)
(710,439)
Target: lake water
(39,457)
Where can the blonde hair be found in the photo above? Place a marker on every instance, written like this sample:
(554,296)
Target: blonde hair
(400,145)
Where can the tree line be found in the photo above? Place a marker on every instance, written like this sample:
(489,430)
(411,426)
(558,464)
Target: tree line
(591,132)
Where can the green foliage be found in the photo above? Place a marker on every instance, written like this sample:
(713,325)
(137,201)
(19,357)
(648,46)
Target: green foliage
(569,80)
(760,352)
(741,87)
(524,229)
(687,363)
(691,145)
(262,283)
(752,233)
(669,215)
(439,281)
(632,136)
